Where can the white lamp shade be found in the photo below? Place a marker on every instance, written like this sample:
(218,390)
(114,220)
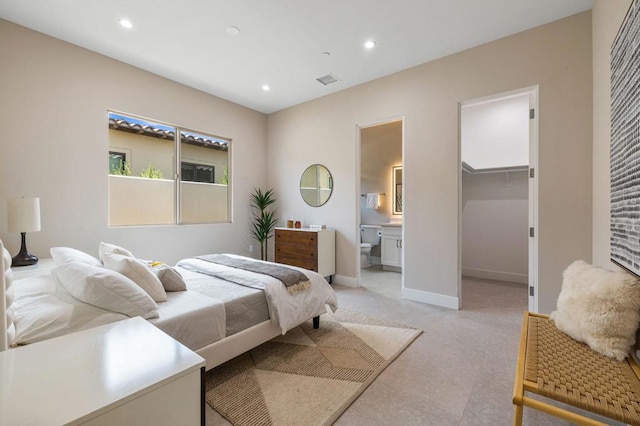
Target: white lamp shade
(23,214)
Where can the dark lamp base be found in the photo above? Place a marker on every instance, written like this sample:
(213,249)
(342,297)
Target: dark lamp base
(24,258)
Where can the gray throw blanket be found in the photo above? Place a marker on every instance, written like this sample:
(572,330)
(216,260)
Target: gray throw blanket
(293,280)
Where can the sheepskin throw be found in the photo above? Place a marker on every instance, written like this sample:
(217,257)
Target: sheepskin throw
(600,308)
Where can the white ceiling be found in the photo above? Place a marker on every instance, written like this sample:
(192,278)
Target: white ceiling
(281,42)
(495,134)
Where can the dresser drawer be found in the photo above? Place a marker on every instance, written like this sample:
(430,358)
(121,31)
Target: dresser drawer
(296,238)
(297,252)
(299,261)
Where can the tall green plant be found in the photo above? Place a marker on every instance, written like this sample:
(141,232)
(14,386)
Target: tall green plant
(264,219)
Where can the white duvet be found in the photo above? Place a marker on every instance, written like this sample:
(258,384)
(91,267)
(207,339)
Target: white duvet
(287,311)
(45,310)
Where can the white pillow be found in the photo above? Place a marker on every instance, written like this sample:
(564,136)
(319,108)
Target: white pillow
(138,272)
(62,255)
(170,278)
(107,248)
(600,308)
(105,289)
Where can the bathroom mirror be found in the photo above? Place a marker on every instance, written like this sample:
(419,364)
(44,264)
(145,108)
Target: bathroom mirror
(397,189)
(316,185)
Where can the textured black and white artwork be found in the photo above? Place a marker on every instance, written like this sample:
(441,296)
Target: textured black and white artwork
(625,143)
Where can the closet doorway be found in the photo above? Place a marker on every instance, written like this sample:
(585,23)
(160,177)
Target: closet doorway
(498,195)
(379,211)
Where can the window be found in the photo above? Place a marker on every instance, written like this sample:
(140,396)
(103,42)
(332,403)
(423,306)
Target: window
(191,172)
(117,163)
(155,180)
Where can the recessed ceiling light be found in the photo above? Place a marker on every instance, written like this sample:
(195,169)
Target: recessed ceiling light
(266,87)
(126,23)
(370,44)
(233,30)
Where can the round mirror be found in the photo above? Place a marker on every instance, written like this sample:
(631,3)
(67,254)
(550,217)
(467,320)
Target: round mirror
(316,185)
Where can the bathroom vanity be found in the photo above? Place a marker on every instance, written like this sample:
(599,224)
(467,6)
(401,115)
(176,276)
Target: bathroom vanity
(391,247)
(313,249)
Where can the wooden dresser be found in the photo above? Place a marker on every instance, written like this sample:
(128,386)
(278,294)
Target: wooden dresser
(313,249)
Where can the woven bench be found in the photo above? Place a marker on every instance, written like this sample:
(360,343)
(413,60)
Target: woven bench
(554,366)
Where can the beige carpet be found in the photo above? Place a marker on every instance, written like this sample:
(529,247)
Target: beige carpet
(307,377)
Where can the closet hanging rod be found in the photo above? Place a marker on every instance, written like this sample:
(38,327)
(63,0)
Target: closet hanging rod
(380,193)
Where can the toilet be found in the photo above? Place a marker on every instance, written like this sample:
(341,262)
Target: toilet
(369,237)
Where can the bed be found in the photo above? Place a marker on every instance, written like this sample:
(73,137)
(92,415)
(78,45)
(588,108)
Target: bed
(223,312)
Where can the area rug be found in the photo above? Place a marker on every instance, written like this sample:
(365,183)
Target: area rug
(306,377)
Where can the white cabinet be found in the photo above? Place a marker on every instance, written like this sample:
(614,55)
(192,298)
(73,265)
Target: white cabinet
(125,373)
(391,247)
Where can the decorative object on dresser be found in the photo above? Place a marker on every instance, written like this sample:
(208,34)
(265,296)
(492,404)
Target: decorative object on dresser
(23,215)
(264,220)
(307,377)
(312,249)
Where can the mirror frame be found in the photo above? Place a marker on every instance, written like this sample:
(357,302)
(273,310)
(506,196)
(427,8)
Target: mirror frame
(397,189)
(317,192)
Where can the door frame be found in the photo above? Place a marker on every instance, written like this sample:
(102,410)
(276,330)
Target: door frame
(533,91)
(358,188)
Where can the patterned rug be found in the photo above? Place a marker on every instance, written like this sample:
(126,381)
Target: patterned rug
(307,377)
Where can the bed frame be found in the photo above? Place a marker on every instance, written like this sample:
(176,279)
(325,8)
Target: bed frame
(6,298)
(230,347)
(214,354)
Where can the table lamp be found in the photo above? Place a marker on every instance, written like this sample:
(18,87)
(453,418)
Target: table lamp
(23,215)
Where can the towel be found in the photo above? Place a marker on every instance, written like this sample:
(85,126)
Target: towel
(373,201)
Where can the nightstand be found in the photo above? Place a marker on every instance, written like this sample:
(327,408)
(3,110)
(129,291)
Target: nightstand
(43,267)
(125,373)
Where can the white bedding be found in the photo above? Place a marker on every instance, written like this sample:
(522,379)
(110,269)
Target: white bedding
(286,311)
(193,319)
(45,310)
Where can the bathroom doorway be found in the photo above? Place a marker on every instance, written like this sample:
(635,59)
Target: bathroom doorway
(498,195)
(380,207)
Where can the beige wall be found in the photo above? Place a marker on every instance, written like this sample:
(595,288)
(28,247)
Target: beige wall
(556,56)
(54,140)
(607,18)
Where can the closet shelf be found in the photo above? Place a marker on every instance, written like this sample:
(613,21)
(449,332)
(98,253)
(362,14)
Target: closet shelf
(466,168)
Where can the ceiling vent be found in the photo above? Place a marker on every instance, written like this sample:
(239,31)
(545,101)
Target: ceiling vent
(327,79)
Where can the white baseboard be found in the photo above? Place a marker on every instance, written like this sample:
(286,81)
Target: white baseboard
(495,275)
(431,298)
(345,281)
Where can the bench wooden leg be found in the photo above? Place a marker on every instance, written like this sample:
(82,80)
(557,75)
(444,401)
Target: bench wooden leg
(517,415)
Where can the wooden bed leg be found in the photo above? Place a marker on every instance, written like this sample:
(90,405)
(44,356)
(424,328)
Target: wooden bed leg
(316,322)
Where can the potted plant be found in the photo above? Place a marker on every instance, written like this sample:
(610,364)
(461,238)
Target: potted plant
(264,219)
